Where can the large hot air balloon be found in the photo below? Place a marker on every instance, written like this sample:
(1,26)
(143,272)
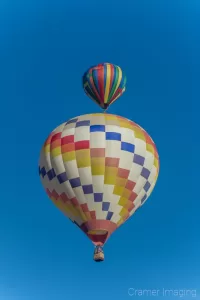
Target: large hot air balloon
(98,169)
(104,84)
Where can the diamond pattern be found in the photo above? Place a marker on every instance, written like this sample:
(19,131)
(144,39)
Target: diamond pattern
(109,215)
(99,156)
(83,123)
(147,186)
(43,172)
(62,177)
(51,174)
(145,173)
(75,182)
(144,198)
(138,159)
(105,206)
(98,197)
(88,189)
(127,147)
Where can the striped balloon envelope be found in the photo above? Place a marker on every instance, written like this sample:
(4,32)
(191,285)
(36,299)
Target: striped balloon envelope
(104,84)
(98,169)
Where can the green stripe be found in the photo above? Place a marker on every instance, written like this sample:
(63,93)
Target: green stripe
(114,84)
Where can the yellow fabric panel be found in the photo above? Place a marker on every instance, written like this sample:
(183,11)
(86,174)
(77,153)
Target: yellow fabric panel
(83,158)
(118,190)
(150,148)
(56,152)
(121,181)
(139,134)
(122,201)
(156,162)
(47,148)
(126,193)
(126,125)
(110,175)
(98,165)
(68,156)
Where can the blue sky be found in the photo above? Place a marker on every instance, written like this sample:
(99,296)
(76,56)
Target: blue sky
(44,50)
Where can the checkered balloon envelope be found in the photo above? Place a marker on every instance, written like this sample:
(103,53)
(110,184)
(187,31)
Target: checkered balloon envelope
(98,169)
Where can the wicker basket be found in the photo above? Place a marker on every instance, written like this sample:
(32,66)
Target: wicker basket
(99,256)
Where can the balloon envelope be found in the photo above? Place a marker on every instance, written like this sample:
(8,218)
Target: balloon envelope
(98,169)
(104,83)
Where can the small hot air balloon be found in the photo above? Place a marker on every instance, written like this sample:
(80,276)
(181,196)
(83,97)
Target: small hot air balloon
(98,169)
(104,84)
